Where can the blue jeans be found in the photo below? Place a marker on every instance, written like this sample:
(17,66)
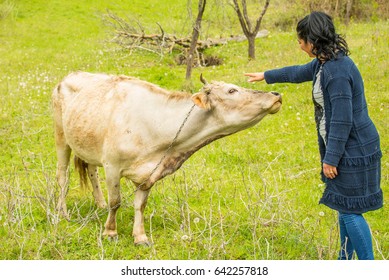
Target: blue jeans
(355,236)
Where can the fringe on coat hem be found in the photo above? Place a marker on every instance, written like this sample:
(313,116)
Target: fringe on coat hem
(361,161)
(352,204)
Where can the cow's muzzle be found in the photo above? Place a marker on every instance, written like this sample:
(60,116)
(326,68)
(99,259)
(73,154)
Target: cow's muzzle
(278,95)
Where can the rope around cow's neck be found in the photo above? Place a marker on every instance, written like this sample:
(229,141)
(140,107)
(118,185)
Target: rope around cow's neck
(167,150)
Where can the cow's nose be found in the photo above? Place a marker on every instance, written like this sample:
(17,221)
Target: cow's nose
(278,95)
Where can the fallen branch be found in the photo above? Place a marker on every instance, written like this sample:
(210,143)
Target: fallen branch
(132,36)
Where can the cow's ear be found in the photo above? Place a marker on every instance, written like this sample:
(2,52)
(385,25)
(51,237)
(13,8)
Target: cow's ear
(201,99)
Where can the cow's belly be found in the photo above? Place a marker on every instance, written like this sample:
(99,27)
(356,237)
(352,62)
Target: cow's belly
(149,169)
(85,147)
(85,133)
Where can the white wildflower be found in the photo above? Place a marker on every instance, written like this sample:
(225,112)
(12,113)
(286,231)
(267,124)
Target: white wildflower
(184,237)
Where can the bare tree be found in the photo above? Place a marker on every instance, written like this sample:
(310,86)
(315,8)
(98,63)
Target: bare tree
(249,30)
(195,37)
(349,6)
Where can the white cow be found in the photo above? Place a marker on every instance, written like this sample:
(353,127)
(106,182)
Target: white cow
(128,126)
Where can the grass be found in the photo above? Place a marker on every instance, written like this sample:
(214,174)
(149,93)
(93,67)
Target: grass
(253,195)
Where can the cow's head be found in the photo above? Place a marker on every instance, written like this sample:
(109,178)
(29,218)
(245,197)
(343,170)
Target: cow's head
(236,104)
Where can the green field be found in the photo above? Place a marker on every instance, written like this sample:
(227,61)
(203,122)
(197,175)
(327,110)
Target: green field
(252,195)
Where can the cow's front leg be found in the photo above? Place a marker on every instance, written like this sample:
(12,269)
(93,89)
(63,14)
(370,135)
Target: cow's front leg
(140,202)
(114,200)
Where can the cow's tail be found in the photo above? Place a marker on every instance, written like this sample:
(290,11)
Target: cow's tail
(82,169)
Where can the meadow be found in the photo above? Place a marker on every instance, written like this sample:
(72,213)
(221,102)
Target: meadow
(252,195)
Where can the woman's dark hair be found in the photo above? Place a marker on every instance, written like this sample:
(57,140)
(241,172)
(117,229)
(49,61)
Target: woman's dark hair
(318,29)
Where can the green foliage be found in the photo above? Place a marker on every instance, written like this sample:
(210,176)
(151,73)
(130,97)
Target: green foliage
(252,195)
(7,9)
(285,14)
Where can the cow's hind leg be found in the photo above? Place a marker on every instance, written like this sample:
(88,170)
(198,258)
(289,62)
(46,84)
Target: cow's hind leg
(63,152)
(63,157)
(140,202)
(114,200)
(97,193)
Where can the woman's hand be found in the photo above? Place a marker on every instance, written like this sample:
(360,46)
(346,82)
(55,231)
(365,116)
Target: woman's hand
(330,171)
(255,77)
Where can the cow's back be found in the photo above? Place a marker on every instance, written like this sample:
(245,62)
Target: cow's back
(87,102)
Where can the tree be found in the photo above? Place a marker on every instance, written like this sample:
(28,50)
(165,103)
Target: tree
(349,6)
(249,30)
(195,37)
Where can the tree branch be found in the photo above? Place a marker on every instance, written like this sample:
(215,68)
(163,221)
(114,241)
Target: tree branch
(195,37)
(259,20)
(241,18)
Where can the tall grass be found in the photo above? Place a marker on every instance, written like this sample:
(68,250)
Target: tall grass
(7,9)
(253,195)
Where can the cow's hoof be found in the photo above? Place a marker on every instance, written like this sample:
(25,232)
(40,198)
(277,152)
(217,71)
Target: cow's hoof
(144,243)
(112,235)
(113,238)
(142,240)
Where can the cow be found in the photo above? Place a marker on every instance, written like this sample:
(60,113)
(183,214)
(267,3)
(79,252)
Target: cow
(138,130)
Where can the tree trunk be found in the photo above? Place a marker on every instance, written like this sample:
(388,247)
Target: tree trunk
(251,40)
(348,11)
(249,30)
(195,37)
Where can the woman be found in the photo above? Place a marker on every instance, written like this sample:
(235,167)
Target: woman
(349,143)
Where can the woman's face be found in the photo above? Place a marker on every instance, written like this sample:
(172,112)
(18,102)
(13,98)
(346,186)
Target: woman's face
(306,47)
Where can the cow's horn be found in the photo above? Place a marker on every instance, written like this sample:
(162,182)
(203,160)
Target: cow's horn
(204,81)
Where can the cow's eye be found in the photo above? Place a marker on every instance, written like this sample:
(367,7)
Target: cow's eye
(232,90)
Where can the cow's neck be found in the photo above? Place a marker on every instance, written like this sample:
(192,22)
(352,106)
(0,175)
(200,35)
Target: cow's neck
(201,128)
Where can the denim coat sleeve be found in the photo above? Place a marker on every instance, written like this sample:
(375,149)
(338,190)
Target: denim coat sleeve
(340,119)
(292,74)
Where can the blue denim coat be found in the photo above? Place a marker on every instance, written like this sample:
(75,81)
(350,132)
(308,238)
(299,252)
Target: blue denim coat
(353,143)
